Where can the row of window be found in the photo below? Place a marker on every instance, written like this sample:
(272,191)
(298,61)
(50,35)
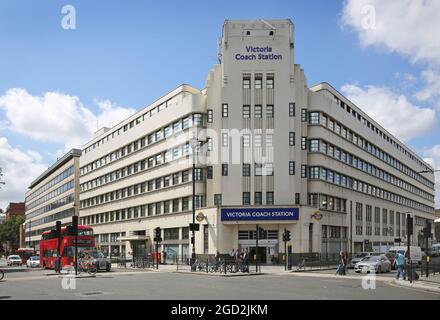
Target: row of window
(380,133)
(140,188)
(334,232)
(260,169)
(63,175)
(252,235)
(53,217)
(342,180)
(131,124)
(56,192)
(327,202)
(389,228)
(316,145)
(52,206)
(151,209)
(143,142)
(258,81)
(319,118)
(158,159)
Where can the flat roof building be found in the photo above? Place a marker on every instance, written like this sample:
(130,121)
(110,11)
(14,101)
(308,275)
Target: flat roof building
(51,197)
(268,150)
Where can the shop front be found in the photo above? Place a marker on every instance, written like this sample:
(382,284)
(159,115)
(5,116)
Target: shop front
(270,222)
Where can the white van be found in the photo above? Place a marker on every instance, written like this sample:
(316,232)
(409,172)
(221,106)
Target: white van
(415,252)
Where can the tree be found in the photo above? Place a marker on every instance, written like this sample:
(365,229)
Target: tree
(10,231)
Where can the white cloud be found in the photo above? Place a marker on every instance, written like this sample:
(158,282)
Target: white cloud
(19,169)
(57,117)
(407,27)
(432,156)
(392,111)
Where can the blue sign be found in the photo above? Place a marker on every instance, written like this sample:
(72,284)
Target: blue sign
(248,214)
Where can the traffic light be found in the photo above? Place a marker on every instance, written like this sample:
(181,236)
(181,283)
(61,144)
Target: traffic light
(75,224)
(194,227)
(287,235)
(58,228)
(410,223)
(157,234)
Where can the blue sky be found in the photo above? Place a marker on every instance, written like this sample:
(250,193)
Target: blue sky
(126,54)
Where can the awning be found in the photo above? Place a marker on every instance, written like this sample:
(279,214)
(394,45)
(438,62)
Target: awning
(134,238)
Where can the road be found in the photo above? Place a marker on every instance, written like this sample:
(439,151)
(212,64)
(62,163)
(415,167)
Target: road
(149,285)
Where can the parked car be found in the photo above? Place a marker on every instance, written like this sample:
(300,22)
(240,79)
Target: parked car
(359,257)
(376,264)
(33,261)
(101,262)
(14,260)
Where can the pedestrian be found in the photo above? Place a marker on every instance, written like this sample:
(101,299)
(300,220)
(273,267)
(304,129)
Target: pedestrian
(400,264)
(232,254)
(341,267)
(217,256)
(164,254)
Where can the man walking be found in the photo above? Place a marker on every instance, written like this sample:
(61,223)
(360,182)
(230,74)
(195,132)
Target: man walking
(400,263)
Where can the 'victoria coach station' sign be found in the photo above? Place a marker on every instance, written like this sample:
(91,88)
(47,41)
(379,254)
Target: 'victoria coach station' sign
(247,214)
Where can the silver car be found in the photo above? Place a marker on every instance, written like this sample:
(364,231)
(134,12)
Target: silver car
(360,256)
(376,264)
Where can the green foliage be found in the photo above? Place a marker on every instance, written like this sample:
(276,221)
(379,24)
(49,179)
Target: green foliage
(10,230)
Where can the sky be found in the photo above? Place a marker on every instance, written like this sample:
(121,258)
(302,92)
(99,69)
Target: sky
(64,74)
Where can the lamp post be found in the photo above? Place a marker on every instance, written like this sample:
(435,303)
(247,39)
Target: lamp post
(194,143)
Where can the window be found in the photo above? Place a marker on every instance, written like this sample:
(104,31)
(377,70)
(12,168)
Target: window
(258,81)
(314,117)
(158,208)
(270,81)
(168,131)
(258,169)
(246,112)
(197,119)
(198,174)
(268,167)
(314,172)
(246,169)
(314,145)
(297,198)
(185,176)
(303,171)
(225,139)
(209,172)
(291,138)
(185,123)
(246,198)
(246,81)
(258,111)
(217,199)
(225,110)
(210,116)
(269,111)
(291,109)
(304,115)
(303,143)
(175,205)
(258,198)
(224,169)
(291,168)
(269,198)
(185,203)
(246,140)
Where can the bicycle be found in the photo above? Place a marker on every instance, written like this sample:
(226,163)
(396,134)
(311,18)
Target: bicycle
(83,266)
(302,265)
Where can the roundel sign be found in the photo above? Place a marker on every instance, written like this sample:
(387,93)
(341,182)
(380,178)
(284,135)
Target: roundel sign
(317,215)
(200,216)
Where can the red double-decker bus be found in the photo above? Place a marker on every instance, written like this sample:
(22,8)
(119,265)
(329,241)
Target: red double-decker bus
(49,245)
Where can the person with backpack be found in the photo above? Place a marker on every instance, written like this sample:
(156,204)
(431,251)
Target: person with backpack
(400,265)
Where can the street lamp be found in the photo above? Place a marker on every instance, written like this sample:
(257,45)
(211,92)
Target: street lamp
(194,146)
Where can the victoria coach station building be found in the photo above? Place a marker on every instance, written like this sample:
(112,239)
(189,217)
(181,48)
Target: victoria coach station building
(269,151)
